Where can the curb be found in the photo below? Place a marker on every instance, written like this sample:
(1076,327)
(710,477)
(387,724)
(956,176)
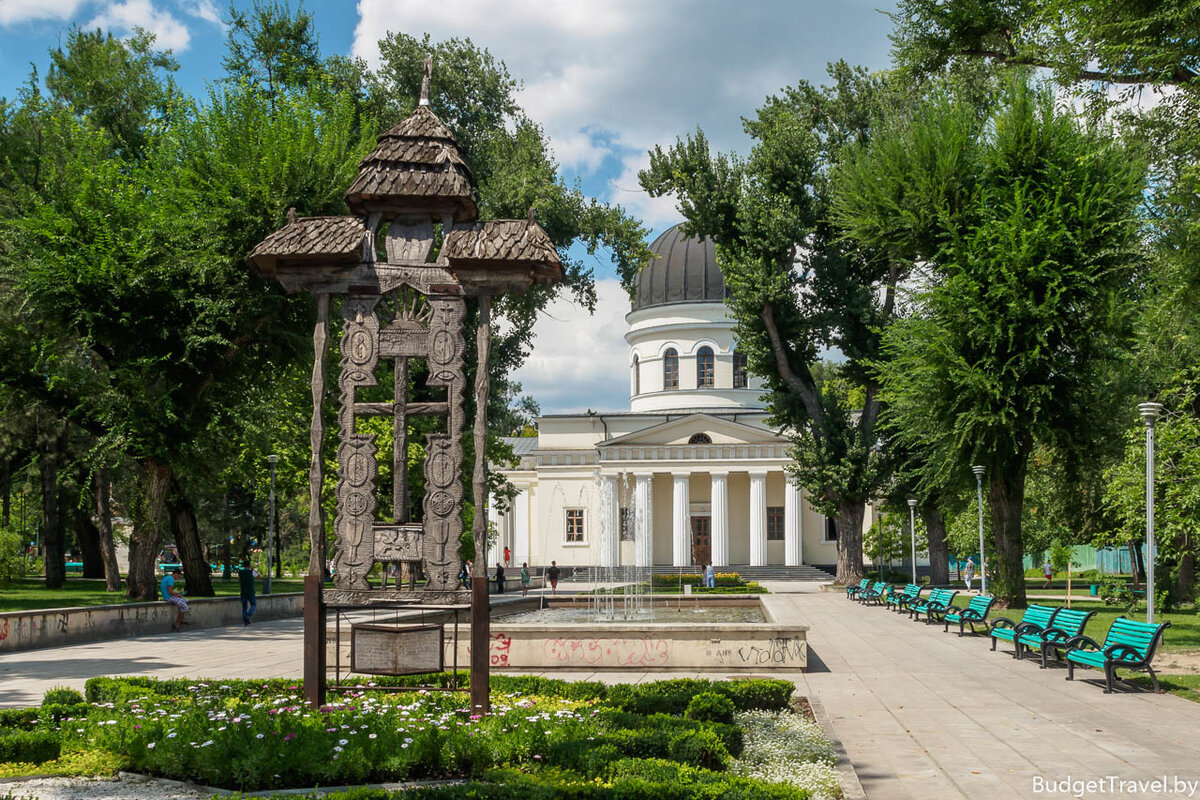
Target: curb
(314,791)
(851,787)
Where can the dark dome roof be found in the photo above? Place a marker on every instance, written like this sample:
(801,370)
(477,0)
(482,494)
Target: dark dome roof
(685,272)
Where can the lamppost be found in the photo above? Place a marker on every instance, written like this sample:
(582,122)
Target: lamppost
(1150,414)
(978,470)
(272,460)
(912,530)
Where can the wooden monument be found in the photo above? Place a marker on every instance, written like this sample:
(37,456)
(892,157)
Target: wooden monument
(413,191)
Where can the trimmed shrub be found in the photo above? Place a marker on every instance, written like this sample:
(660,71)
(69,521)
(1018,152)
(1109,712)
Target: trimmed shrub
(710,707)
(54,713)
(29,747)
(61,695)
(701,748)
(19,718)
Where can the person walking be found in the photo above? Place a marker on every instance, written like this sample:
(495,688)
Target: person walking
(246,576)
(507,556)
(524,578)
(464,575)
(552,574)
(174,597)
(710,577)
(499,578)
(1048,571)
(969,572)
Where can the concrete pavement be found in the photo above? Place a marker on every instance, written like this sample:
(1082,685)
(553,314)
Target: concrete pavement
(920,713)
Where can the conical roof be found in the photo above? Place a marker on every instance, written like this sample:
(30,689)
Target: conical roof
(415,168)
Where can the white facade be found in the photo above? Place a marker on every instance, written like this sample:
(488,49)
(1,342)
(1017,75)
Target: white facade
(690,474)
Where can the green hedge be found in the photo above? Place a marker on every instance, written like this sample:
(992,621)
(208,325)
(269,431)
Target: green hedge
(32,747)
(19,718)
(722,579)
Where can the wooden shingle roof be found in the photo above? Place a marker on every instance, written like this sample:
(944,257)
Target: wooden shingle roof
(503,243)
(311,240)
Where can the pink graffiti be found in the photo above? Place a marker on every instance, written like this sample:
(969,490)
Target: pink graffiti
(646,651)
(4,631)
(498,650)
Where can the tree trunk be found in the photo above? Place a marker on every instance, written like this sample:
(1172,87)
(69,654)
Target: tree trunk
(144,543)
(196,569)
(939,555)
(849,542)
(87,536)
(53,535)
(1186,584)
(5,490)
(1137,563)
(108,547)
(1006,499)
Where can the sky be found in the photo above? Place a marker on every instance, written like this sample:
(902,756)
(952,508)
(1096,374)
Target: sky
(607,80)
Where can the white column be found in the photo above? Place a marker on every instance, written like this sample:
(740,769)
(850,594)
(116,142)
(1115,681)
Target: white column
(520,531)
(643,519)
(681,520)
(610,522)
(758,518)
(793,526)
(720,519)
(495,550)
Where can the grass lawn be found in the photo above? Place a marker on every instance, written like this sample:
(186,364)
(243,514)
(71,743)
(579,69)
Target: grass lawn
(28,594)
(1186,686)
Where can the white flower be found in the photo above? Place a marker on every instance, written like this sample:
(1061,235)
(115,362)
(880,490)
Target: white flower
(372,736)
(150,746)
(258,736)
(343,742)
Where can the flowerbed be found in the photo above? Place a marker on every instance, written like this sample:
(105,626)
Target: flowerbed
(545,737)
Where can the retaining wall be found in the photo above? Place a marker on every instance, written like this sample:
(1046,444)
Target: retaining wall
(55,627)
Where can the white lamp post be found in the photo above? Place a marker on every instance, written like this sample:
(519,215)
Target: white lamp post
(978,470)
(272,460)
(912,531)
(1150,413)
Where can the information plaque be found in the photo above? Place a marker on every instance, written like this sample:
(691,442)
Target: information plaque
(396,649)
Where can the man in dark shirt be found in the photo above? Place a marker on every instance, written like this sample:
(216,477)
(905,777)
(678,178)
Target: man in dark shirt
(246,577)
(499,579)
(552,574)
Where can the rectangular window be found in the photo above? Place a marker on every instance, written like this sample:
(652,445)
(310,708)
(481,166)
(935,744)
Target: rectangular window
(830,530)
(774,523)
(739,370)
(626,524)
(574,525)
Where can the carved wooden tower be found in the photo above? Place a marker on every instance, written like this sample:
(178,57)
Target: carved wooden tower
(413,190)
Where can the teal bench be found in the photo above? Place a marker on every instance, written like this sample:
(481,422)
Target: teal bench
(1068,624)
(974,614)
(851,591)
(876,594)
(1036,618)
(1129,644)
(901,600)
(937,603)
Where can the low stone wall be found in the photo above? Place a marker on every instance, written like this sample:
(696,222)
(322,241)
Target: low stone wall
(55,627)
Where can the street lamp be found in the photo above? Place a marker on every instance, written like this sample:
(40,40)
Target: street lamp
(978,470)
(912,530)
(272,460)
(1150,413)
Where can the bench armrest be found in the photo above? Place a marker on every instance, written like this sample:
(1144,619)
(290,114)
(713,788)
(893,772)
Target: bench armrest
(1003,622)
(971,615)
(1119,652)
(1057,635)
(1077,642)
(1027,627)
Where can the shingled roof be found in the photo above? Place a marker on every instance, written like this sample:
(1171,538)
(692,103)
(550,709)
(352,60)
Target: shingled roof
(310,240)
(503,243)
(415,168)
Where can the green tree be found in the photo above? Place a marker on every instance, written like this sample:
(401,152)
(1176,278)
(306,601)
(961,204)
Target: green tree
(1025,224)
(797,284)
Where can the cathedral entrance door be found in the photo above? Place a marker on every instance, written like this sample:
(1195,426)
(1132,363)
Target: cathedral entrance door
(701,540)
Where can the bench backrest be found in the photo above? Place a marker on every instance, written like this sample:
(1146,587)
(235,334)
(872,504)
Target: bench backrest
(912,590)
(942,596)
(1072,621)
(879,587)
(1141,636)
(864,583)
(982,605)
(1041,616)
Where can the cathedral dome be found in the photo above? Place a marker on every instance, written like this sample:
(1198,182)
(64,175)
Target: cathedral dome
(685,271)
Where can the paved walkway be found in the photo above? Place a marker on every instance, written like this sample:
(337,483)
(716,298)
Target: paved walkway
(920,713)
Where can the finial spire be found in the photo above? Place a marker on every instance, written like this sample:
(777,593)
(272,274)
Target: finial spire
(529,220)
(425,78)
(291,215)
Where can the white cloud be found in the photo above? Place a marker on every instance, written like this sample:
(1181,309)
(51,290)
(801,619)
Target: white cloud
(580,361)
(646,72)
(205,10)
(15,11)
(655,212)
(123,17)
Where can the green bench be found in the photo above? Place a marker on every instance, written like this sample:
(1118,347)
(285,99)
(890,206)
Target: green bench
(876,594)
(1036,618)
(851,591)
(901,600)
(974,614)
(1129,644)
(938,602)
(1068,624)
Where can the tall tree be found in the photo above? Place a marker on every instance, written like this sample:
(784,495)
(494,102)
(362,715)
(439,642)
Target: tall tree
(797,285)
(1025,223)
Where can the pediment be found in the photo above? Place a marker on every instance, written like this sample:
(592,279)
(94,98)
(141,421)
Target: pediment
(680,432)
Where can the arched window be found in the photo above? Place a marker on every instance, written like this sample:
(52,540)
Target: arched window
(705,368)
(637,376)
(700,438)
(739,370)
(670,369)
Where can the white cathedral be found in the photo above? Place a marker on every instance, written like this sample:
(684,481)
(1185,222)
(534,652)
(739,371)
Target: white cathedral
(690,474)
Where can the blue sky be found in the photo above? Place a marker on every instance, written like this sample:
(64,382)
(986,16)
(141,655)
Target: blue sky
(607,81)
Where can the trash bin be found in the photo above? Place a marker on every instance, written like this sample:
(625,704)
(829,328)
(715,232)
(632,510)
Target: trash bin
(1095,590)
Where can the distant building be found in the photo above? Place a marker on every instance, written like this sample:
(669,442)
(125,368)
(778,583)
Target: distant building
(690,473)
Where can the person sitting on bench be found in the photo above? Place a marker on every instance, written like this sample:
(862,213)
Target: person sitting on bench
(174,597)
